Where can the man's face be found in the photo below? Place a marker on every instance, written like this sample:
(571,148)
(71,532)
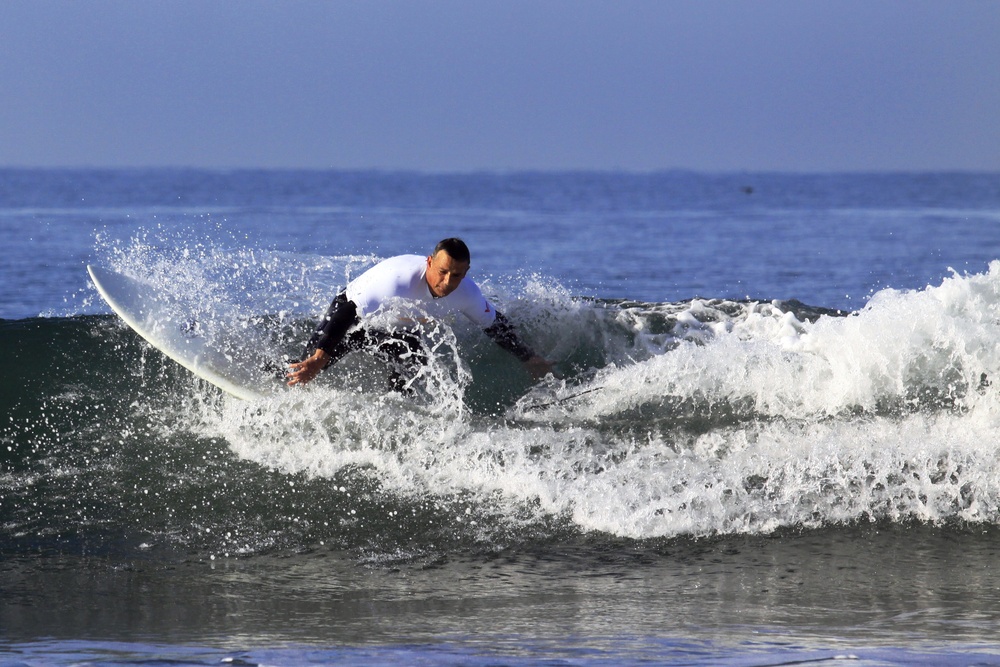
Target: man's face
(444,273)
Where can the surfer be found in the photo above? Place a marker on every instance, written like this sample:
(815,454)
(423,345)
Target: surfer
(374,309)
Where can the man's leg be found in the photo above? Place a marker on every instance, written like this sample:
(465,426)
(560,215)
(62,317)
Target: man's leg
(403,352)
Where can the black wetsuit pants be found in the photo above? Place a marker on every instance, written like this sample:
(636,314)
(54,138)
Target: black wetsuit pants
(402,351)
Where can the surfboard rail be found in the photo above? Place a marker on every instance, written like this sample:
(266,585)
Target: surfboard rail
(156,317)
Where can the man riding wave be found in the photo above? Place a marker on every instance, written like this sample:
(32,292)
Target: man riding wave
(378,310)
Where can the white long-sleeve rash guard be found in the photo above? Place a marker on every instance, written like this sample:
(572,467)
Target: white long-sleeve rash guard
(395,292)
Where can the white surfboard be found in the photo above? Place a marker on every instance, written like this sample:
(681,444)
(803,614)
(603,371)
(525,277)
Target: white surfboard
(167,325)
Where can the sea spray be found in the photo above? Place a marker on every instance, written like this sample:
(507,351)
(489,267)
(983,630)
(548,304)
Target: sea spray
(749,419)
(700,417)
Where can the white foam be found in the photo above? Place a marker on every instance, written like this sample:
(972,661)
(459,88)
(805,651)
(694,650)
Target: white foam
(699,418)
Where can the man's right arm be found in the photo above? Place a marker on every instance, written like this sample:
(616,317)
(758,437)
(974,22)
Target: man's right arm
(340,317)
(304,371)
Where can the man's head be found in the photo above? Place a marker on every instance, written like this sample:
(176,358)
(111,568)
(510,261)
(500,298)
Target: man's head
(447,266)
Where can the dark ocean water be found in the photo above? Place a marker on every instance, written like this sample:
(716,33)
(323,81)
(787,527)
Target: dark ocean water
(773,440)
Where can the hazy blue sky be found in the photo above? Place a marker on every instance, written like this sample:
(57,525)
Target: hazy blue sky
(457,85)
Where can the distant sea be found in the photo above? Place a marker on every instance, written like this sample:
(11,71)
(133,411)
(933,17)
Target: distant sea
(772,441)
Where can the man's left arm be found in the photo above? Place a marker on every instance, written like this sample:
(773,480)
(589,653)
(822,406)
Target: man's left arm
(503,334)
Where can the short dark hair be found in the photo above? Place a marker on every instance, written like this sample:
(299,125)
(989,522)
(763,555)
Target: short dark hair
(455,248)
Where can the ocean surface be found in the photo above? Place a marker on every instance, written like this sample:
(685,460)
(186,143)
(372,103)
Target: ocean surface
(773,439)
